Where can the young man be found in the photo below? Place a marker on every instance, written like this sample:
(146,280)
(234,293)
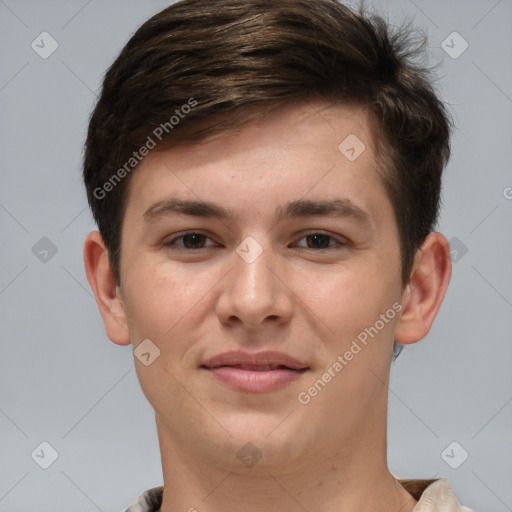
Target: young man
(265,177)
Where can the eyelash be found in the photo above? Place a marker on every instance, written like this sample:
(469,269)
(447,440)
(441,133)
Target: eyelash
(340,242)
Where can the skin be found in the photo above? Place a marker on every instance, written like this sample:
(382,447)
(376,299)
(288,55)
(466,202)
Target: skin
(193,303)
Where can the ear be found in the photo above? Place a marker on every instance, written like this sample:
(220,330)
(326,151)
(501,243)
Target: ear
(426,289)
(107,293)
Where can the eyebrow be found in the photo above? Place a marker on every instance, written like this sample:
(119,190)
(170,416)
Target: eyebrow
(341,207)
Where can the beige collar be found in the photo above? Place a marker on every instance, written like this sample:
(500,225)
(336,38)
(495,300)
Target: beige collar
(433,496)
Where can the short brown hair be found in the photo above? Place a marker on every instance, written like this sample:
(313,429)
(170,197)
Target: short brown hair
(236,60)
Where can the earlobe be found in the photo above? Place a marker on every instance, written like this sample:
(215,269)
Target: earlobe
(426,289)
(102,282)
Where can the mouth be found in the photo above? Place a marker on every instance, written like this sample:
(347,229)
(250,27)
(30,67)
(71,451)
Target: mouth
(255,373)
(256,368)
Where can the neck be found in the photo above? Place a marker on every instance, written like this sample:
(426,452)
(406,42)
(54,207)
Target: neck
(347,479)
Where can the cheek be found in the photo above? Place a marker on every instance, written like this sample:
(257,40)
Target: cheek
(360,316)
(353,375)
(164,301)
(349,303)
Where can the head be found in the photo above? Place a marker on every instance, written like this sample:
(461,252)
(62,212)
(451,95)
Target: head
(202,104)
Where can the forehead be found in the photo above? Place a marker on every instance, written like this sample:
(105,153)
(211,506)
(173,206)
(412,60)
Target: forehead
(297,150)
(314,123)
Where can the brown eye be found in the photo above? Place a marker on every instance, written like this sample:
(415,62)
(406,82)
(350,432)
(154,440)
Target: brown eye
(193,240)
(321,241)
(318,241)
(190,241)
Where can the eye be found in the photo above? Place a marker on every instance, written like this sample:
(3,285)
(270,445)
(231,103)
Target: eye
(316,240)
(321,241)
(190,240)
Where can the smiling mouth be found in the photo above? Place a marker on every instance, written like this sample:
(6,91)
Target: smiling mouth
(250,378)
(256,367)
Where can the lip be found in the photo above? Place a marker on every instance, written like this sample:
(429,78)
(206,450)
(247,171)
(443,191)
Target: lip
(259,372)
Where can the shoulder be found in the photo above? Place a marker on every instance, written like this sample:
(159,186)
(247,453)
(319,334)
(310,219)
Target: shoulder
(149,501)
(433,495)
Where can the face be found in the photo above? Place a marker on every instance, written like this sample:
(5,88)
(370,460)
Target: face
(265,267)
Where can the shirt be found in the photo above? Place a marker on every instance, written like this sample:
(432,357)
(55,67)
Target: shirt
(432,496)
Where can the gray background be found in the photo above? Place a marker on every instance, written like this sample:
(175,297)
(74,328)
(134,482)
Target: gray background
(63,382)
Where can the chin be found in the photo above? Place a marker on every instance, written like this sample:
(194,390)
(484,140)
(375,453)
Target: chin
(270,439)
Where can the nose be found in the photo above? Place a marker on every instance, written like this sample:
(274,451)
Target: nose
(255,292)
